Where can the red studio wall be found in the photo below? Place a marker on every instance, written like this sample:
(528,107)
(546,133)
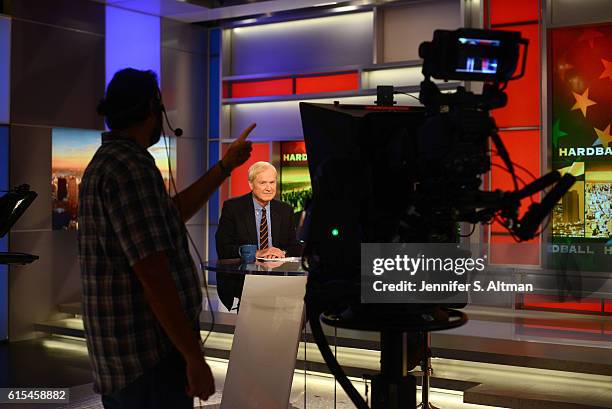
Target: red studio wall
(523,110)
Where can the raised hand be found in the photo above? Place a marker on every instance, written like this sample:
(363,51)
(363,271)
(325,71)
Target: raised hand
(239,151)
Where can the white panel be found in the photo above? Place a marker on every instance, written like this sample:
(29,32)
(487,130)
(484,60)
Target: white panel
(398,77)
(275,120)
(226,113)
(226,50)
(184,37)
(408,26)
(281,121)
(572,12)
(302,45)
(190,161)
(190,167)
(184,88)
(260,370)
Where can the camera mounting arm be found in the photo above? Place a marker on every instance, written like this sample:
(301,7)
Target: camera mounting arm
(527,227)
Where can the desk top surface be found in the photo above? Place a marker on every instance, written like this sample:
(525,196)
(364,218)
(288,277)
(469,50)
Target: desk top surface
(235,266)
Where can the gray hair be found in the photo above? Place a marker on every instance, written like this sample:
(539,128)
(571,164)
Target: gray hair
(259,167)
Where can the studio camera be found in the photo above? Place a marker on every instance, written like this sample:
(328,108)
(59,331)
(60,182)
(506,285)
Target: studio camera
(392,174)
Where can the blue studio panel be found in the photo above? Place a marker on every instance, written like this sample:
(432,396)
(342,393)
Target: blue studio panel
(213,212)
(214,84)
(214,102)
(132,40)
(5,69)
(4,184)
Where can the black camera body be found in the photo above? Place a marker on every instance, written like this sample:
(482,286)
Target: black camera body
(473,55)
(454,142)
(391,174)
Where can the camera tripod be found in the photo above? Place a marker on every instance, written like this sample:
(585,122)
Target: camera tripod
(394,387)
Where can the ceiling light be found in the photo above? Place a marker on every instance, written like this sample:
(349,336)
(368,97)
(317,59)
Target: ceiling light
(344,9)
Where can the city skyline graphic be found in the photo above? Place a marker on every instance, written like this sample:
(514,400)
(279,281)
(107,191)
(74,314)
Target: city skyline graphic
(71,152)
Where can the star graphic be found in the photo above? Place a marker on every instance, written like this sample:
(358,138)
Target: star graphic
(590,35)
(604,136)
(582,102)
(607,73)
(557,133)
(576,169)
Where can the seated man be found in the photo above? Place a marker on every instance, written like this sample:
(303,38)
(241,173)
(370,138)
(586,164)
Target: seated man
(255,218)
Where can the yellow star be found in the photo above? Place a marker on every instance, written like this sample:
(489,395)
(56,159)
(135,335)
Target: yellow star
(604,136)
(582,102)
(607,69)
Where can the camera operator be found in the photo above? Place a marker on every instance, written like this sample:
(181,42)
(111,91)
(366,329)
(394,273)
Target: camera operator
(141,293)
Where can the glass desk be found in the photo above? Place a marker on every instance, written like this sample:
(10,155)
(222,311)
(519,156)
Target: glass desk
(231,272)
(267,333)
(235,266)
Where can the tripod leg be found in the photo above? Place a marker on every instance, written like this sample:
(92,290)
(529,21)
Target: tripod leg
(427,370)
(393,393)
(393,388)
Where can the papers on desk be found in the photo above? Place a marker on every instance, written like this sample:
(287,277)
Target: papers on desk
(281,259)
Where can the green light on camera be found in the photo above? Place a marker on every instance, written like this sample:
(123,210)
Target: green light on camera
(335,232)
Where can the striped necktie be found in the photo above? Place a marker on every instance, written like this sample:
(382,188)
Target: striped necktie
(263,230)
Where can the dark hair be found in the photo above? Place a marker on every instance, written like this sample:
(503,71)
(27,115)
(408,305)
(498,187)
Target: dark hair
(130,97)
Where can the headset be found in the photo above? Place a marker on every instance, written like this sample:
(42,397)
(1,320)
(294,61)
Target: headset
(138,112)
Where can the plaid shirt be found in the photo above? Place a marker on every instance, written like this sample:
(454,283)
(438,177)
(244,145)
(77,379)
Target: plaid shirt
(125,215)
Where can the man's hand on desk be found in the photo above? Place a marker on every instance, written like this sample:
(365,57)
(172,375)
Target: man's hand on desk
(269,265)
(270,252)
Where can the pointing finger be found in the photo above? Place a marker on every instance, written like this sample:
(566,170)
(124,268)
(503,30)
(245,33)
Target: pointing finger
(246,132)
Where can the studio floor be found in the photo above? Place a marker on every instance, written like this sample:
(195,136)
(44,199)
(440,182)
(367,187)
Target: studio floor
(63,362)
(59,359)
